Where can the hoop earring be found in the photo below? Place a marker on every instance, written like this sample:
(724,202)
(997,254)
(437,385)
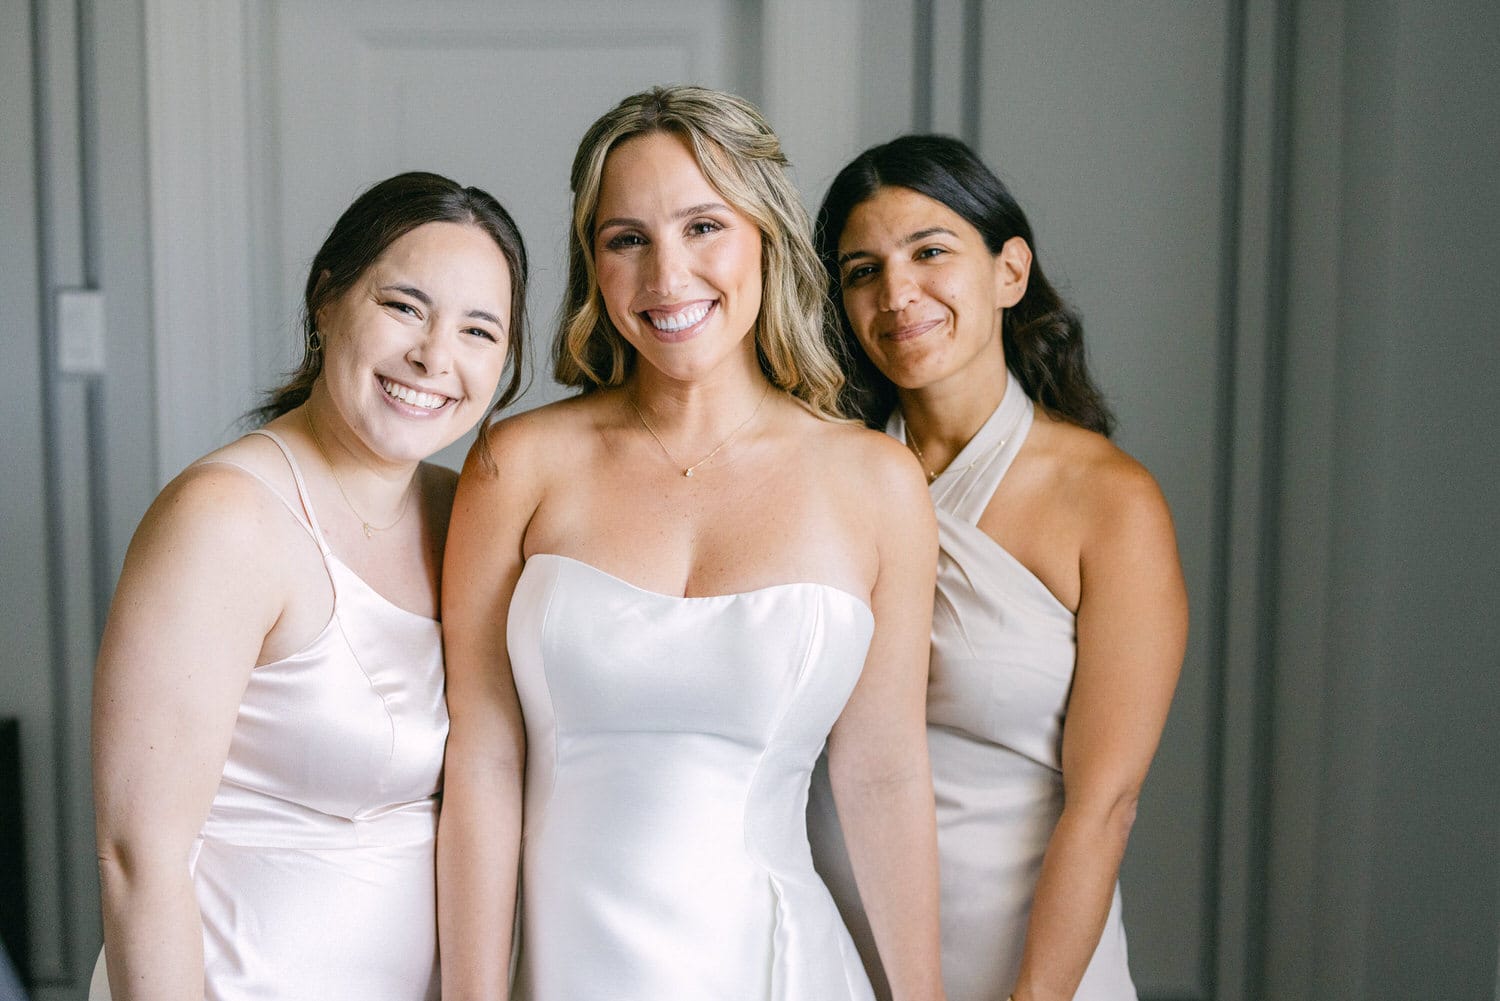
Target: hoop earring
(314,342)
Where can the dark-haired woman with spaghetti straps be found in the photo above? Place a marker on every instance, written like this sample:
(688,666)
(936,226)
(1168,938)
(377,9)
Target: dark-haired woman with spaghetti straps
(1060,618)
(269,719)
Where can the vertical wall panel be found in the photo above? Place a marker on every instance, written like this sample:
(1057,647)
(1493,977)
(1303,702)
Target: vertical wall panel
(26,604)
(1436,803)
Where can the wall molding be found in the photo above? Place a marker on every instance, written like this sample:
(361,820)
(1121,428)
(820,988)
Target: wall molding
(196,85)
(797,61)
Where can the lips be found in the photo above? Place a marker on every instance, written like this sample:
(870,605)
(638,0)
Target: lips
(909,331)
(674,321)
(414,397)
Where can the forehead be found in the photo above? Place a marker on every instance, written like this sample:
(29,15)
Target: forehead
(892,214)
(653,165)
(441,247)
(459,263)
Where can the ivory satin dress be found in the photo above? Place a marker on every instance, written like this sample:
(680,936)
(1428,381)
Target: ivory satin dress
(670,742)
(314,870)
(1003,652)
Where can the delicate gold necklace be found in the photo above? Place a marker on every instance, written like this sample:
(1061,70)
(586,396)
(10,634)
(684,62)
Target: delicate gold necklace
(370,529)
(917,451)
(688,470)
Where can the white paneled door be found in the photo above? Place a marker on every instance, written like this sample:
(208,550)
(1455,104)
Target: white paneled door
(269,118)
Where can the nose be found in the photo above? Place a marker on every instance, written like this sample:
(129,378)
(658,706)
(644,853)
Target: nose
(897,289)
(431,353)
(667,270)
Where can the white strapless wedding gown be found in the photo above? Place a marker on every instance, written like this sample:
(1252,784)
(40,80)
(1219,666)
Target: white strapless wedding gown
(670,742)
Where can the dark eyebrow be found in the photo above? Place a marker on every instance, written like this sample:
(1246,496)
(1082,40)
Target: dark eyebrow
(906,241)
(426,300)
(480,314)
(691,210)
(410,290)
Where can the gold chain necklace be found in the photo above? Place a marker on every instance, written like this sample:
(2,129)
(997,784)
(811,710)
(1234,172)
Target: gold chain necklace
(688,470)
(917,451)
(370,529)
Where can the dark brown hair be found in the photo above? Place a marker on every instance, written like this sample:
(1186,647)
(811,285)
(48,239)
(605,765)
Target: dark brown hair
(378,218)
(1042,335)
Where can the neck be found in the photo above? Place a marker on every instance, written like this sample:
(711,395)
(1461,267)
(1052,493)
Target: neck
(706,405)
(377,485)
(943,416)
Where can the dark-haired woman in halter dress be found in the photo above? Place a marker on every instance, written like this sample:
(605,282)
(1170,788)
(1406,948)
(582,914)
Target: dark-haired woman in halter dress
(1060,618)
(268,708)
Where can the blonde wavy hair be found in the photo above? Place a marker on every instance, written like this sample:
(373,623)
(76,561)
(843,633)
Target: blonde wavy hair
(741,157)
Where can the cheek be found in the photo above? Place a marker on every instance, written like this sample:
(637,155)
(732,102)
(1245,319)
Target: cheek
(972,293)
(739,264)
(858,307)
(614,284)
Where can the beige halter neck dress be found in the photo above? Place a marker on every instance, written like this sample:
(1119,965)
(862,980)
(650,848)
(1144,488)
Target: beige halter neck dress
(1003,652)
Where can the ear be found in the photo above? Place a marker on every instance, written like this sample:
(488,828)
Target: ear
(1012,271)
(317,319)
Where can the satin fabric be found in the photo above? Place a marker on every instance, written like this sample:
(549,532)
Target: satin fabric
(669,746)
(1003,653)
(314,869)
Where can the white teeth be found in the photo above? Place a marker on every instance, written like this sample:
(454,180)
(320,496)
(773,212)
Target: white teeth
(681,320)
(427,401)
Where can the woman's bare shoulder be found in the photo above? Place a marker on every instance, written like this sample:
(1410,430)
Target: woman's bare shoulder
(1114,489)
(536,434)
(218,516)
(872,470)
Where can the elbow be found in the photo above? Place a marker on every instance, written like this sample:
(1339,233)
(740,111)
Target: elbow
(1108,820)
(129,867)
(117,864)
(870,776)
(1121,817)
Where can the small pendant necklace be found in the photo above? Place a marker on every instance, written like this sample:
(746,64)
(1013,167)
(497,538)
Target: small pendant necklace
(369,529)
(917,451)
(688,470)
(911,443)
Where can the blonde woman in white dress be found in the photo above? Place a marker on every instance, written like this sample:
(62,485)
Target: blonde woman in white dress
(663,595)
(1060,617)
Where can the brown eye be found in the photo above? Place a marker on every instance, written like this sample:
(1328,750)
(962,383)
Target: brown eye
(624,240)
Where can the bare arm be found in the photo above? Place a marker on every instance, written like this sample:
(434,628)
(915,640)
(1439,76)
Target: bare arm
(193,606)
(1132,632)
(479,831)
(877,752)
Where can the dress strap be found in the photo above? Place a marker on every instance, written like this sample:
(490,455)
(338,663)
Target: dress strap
(293,509)
(964,488)
(302,493)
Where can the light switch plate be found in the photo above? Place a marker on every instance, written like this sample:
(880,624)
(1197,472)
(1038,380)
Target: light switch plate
(80,331)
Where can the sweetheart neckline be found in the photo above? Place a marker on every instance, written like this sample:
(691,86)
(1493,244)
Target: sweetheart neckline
(834,588)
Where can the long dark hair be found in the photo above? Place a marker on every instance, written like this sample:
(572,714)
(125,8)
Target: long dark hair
(1042,335)
(378,218)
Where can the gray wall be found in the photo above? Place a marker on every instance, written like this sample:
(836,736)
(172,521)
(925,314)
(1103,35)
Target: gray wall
(1355,642)
(1406,861)
(77,456)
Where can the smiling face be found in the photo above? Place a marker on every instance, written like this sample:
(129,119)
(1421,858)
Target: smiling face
(923,293)
(413,351)
(679,269)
